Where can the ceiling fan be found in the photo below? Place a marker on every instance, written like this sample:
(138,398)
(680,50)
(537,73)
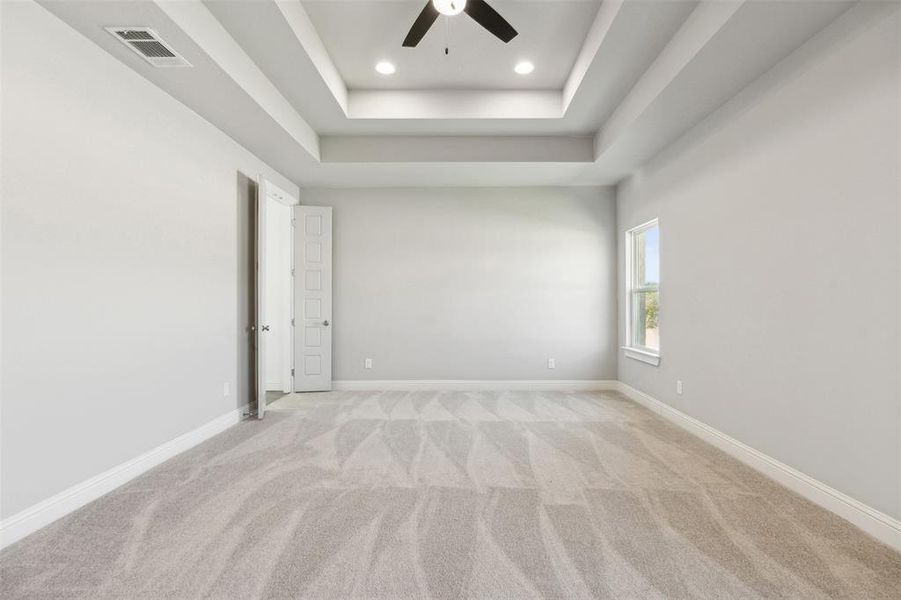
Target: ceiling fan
(479,10)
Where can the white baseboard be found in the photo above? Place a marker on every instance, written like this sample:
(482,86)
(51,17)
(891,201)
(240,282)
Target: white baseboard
(42,514)
(564,385)
(878,524)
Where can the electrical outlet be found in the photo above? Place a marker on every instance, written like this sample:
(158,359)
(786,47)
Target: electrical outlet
(679,386)
(226,389)
(368,364)
(551,363)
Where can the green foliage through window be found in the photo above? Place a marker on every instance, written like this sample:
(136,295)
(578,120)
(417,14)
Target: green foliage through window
(652,306)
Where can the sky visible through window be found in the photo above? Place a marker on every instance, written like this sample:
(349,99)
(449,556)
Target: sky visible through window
(652,255)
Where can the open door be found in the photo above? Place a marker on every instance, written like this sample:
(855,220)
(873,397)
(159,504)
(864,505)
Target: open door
(260,326)
(313,298)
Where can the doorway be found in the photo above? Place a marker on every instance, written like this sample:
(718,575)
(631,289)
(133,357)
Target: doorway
(279,295)
(274,293)
(293,307)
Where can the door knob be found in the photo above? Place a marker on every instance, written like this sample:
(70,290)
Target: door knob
(325,323)
(265,328)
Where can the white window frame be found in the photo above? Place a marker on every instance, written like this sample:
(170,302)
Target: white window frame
(644,354)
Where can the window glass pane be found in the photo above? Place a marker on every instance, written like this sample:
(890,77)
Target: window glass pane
(647,257)
(645,330)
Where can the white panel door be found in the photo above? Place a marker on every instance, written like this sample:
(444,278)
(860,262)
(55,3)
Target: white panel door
(280,296)
(260,326)
(313,297)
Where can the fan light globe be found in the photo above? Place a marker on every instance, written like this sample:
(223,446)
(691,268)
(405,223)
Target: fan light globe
(449,7)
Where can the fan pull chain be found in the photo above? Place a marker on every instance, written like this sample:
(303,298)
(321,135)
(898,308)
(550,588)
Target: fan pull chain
(446,35)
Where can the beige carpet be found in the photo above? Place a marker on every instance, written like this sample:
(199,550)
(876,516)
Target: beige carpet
(451,495)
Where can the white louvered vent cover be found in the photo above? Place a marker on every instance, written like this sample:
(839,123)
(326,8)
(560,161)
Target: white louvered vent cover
(146,43)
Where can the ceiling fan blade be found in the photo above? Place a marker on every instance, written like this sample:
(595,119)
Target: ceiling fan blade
(488,18)
(421,25)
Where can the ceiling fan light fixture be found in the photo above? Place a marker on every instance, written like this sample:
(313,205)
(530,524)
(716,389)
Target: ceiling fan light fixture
(478,10)
(385,68)
(524,67)
(449,7)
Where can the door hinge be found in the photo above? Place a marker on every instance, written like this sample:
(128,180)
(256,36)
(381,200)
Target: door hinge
(293,222)
(292,322)
(292,272)
(292,372)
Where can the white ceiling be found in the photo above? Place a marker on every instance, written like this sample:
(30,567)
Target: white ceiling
(615,82)
(261,29)
(357,34)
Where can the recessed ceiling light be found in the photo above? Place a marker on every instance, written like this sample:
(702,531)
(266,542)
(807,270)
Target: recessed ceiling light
(524,67)
(385,68)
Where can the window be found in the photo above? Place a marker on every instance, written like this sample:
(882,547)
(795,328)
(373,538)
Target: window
(643,301)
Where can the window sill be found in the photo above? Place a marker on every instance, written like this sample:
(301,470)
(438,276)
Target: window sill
(642,355)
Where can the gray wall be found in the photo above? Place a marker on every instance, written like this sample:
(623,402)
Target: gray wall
(780,245)
(473,283)
(125,265)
